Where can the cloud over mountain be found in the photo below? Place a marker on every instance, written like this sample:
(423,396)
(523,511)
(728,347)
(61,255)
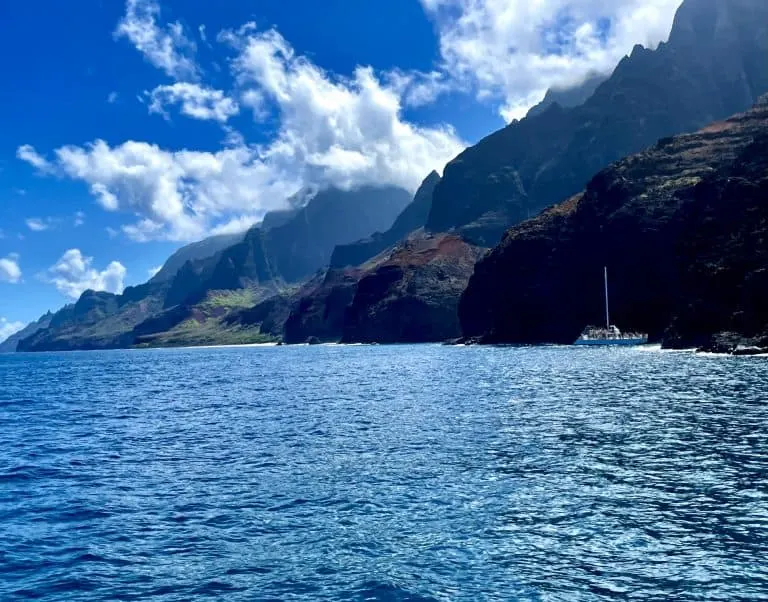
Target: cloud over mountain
(514,50)
(73,274)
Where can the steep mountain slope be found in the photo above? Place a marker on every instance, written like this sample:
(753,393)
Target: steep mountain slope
(682,227)
(413,217)
(195,252)
(408,293)
(412,296)
(97,320)
(297,248)
(568,97)
(318,310)
(713,66)
(193,306)
(10,344)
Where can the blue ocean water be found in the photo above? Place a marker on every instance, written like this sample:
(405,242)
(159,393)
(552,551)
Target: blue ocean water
(405,473)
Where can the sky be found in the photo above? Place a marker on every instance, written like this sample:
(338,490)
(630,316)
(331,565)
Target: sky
(131,128)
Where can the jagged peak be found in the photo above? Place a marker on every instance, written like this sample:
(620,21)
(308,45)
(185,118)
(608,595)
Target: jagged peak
(430,180)
(638,49)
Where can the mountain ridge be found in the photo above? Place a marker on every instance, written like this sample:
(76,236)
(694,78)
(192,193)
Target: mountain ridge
(681,227)
(203,291)
(711,67)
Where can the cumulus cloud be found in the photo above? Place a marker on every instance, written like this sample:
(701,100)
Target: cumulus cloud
(179,195)
(196,101)
(167,48)
(9,269)
(417,88)
(36,224)
(27,152)
(237,224)
(8,328)
(73,274)
(514,50)
(342,132)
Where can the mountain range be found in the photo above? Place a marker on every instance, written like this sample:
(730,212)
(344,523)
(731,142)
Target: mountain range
(713,65)
(376,265)
(185,303)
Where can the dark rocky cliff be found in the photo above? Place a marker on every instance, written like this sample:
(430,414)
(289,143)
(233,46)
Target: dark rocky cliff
(713,66)
(318,311)
(412,296)
(682,228)
(298,247)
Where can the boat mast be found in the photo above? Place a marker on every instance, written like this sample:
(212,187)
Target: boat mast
(607,315)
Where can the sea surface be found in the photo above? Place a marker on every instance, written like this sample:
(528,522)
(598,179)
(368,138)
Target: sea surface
(403,473)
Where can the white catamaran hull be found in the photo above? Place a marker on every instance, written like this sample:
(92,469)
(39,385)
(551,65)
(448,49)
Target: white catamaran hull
(611,342)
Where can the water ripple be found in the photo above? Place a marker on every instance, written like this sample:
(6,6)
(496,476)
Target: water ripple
(409,473)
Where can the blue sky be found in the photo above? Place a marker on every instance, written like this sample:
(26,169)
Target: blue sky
(133,127)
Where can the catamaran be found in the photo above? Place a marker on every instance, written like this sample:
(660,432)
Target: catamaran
(609,335)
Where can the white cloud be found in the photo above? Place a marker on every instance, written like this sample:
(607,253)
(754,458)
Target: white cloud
(417,88)
(196,101)
(73,274)
(79,219)
(112,97)
(8,328)
(514,50)
(27,152)
(9,269)
(167,48)
(342,132)
(152,272)
(37,225)
(237,224)
(178,195)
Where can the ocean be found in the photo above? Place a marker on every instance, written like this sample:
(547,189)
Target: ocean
(384,473)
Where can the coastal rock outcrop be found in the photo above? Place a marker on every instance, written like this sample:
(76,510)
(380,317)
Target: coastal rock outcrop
(682,228)
(413,295)
(319,308)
